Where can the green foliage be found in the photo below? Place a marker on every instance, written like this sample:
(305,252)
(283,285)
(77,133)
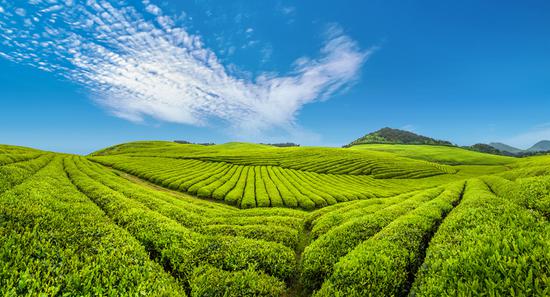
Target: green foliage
(272,192)
(383,264)
(488,149)
(438,154)
(17,172)
(54,241)
(209,281)
(176,247)
(304,177)
(249,196)
(396,136)
(320,257)
(262,197)
(236,193)
(19,157)
(370,223)
(260,186)
(224,189)
(492,246)
(534,193)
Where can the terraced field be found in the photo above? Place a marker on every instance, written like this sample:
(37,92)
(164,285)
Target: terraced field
(258,176)
(163,219)
(438,154)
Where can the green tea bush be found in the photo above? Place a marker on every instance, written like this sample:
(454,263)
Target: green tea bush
(208,179)
(56,242)
(534,193)
(177,247)
(249,196)
(321,255)
(236,194)
(272,192)
(223,191)
(206,191)
(492,246)
(286,195)
(262,198)
(208,281)
(384,264)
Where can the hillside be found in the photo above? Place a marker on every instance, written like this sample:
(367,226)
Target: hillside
(396,136)
(304,177)
(168,219)
(541,146)
(310,159)
(438,154)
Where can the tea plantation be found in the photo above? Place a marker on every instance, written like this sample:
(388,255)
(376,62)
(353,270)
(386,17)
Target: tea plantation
(238,219)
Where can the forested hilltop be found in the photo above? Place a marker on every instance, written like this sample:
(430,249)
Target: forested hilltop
(396,136)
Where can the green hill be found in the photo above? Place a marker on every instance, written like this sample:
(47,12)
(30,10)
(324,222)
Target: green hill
(157,218)
(439,154)
(488,149)
(396,136)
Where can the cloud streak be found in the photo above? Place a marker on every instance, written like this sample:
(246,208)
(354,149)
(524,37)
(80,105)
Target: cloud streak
(139,63)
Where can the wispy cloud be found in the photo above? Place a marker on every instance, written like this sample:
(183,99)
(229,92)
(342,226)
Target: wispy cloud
(288,10)
(138,63)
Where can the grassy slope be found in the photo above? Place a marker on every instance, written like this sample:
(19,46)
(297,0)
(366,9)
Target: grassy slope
(312,176)
(370,230)
(166,148)
(466,163)
(438,154)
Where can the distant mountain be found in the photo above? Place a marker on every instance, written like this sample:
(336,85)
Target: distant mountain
(396,136)
(485,148)
(541,146)
(505,148)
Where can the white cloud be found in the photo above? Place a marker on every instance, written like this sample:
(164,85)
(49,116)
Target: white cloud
(1,9)
(20,11)
(288,10)
(153,9)
(140,67)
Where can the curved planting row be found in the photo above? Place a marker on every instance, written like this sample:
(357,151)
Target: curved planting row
(70,226)
(15,173)
(6,159)
(354,165)
(322,223)
(274,225)
(492,245)
(384,264)
(55,241)
(180,249)
(529,192)
(255,186)
(313,159)
(321,255)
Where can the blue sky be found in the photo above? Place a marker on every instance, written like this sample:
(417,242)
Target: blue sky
(76,76)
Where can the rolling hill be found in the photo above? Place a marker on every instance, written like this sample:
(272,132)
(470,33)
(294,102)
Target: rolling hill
(168,219)
(396,136)
(438,154)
